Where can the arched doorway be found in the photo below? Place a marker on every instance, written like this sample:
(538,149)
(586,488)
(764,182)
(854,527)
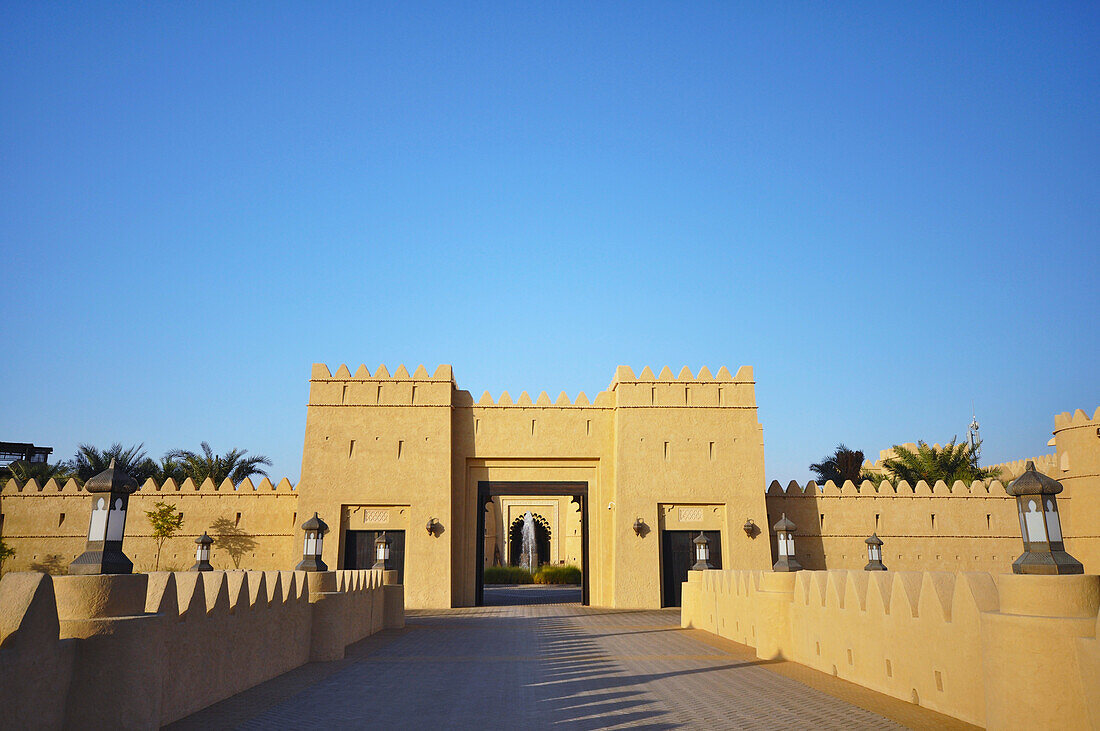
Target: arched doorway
(542,540)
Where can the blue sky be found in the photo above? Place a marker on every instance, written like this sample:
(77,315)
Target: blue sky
(890,211)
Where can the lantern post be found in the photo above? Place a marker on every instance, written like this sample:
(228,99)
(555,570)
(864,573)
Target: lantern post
(702,553)
(202,553)
(315,529)
(874,554)
(1040,525)
(381,552)
(784,538)
(111,490)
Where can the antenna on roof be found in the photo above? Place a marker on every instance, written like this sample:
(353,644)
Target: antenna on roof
(974,436)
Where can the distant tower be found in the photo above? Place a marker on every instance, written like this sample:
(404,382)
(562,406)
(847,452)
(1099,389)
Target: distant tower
(975,437)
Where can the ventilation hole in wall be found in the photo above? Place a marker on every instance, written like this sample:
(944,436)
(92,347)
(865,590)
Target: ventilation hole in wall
(237,521)
(588,427)
(876,521)
(834,671)
(652,395)
(344,395)
(937,557)
(666,450)
(60,520)
(933,521)
(378,394)
(939,681)
(351,449)
(721,396)
(477,425)
(710,450)
(687,396)
(987,521)
(821,521)
(889,670)
(532,427)
(400,447)
(914,698)
(849,656)
(294,519)
(413,400)
(818,646)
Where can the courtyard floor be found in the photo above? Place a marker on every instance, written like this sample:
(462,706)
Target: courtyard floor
(547,664)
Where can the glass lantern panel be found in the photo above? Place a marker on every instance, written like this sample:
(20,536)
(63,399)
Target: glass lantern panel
(1054,527)
(790,545)
(97,531)
(311,544)
(1036,530)
(116,522)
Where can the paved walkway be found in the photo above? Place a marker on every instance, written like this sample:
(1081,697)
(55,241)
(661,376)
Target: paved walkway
(549,666)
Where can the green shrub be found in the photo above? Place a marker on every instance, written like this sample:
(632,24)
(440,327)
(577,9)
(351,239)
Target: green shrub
(558,575)
(507,575)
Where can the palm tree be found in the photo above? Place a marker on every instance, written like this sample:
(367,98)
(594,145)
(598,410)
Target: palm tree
(90,461)
(948,463)
(843,464)
(39,471)
(233,464)
(169,468)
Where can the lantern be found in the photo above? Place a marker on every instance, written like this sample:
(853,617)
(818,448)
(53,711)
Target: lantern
(315,530)
(381,552)
(784,538)
(702,553)
(202,553)
(749,527)
(1040,526)
(874,554)
(639,526)
(111,490)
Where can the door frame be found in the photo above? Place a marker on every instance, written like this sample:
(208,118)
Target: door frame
(489,489)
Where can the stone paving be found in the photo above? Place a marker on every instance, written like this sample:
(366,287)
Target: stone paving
(534,666)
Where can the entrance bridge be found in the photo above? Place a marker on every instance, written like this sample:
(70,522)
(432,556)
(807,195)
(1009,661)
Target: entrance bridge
(545,664)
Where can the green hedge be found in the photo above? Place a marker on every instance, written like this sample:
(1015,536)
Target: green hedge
(546,574)
(558,575)
(508,575)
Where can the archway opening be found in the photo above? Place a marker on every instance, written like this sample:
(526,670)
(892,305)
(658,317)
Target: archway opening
(542,540)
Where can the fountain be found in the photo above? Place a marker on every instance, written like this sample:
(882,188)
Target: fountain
(528,556)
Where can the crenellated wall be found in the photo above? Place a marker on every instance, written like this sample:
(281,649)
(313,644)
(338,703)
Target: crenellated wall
(255,526)
(1001,651)
(144,650)
(940,527)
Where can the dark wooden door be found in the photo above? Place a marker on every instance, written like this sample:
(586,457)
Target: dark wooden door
(677,558)
(359,550)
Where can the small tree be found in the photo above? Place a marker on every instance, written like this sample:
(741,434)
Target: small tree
(843,464)
(166,522)
(6,552)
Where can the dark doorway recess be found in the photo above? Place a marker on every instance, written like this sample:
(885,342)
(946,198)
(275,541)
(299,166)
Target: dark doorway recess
(487,490)
(359,550)
(677,558)
(542,540)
